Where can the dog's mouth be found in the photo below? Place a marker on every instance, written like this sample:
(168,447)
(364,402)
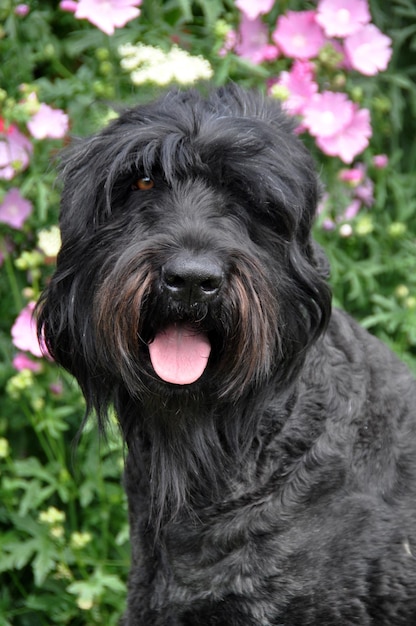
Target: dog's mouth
(179,353)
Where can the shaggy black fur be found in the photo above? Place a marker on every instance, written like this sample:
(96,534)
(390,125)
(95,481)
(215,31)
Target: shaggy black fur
(279,488)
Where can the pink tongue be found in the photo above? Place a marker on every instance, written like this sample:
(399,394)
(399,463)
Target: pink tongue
(179,354)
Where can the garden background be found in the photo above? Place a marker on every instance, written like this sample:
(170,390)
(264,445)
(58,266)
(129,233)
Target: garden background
(344,68)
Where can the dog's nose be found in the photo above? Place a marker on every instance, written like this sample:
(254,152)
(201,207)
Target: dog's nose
(192,279)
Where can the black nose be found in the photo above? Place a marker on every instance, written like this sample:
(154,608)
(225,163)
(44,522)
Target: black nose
(192,278)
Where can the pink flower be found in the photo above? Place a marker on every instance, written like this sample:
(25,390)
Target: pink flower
(14,210)
(68,5)
(352,210)
(23,362)
(298,35)
(339,18)
(368,51)
(328,224)
(48,122)
(24,334)
(229,43)
(15,151)
(353,176)
(299,82)
(254,8)
(349,140)
(362,185)
(365,192)
(253,43)
(22,10)
(380,161)
(105,14)
(327,114)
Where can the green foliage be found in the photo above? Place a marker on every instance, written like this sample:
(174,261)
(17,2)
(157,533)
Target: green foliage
(64,538)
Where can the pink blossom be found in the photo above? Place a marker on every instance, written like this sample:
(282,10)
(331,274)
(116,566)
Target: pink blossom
(362,185)
(253,41)
(22,10)
(22,362)
(68,5)
(24,334)
(352,210)
(339,18)
(365,192)
(368,51)
(353,176)
(349,140)
(299,82)
(14,210)
(48,122)
(380,161)
(327,113)
(105,14)
(254,8)
(15,151)
(298,35)
(328,224)
(229,43)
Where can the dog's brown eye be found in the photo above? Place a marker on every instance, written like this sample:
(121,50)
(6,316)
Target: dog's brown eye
(144,184)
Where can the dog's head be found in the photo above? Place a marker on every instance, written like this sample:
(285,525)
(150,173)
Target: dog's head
(187,264)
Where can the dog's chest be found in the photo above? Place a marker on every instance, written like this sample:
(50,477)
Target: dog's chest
(272,557)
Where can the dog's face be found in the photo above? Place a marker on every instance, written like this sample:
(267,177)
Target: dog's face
(186,263)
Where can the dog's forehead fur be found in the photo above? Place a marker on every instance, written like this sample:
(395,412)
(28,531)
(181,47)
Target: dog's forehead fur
(230,138)
(224,134)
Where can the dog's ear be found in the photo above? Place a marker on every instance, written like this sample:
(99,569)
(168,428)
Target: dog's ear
(64,309)
(65,327)
(82,172)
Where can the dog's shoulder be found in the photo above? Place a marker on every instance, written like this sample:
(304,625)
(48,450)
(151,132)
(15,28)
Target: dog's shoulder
(374,408)
(379,367)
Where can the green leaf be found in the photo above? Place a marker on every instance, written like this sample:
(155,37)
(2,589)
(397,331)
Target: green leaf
(44,562)
(186,8)
(17,554)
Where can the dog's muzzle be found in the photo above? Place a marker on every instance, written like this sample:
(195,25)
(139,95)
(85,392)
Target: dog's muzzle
(180,351)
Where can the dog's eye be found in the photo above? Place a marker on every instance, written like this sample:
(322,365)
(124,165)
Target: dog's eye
(143,184)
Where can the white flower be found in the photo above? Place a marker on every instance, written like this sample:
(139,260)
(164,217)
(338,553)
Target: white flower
(51,516)
(49,241)
(151,64)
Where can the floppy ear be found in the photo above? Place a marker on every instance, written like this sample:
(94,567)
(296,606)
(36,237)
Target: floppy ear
(65,326)
(64,316)
(83,174)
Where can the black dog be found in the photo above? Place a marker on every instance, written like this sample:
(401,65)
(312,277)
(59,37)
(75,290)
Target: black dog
(271,473)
